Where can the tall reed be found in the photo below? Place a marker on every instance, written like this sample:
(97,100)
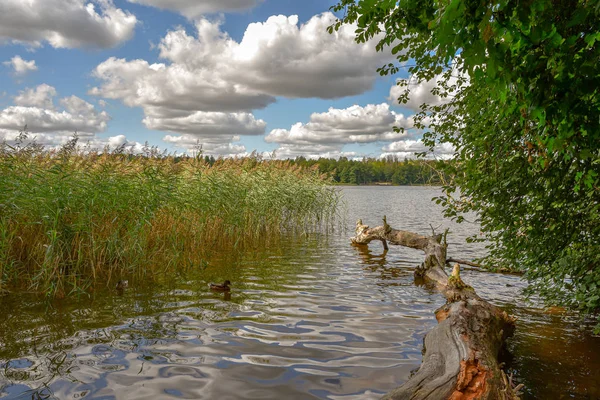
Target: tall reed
(72,218)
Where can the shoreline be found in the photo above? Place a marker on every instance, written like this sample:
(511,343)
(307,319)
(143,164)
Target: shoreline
(382,184)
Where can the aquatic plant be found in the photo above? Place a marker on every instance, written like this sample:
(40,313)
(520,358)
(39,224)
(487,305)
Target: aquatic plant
(74,217)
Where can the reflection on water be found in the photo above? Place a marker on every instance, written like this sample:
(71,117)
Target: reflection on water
(312,318)
(303,321)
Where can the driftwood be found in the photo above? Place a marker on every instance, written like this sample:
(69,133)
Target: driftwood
(460,358)
(464,262)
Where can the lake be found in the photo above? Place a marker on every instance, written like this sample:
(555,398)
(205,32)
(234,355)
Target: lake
(309,318)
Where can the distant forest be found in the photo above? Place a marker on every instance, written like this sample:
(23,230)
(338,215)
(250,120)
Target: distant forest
(389,170)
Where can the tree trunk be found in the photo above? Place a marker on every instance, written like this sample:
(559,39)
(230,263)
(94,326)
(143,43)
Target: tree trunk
(460,358)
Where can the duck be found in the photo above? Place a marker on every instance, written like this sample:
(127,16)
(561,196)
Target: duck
(220,288)
(122,285)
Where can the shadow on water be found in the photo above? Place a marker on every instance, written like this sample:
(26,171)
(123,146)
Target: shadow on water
(311,318)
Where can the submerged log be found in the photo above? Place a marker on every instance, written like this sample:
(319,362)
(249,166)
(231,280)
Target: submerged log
(460,358)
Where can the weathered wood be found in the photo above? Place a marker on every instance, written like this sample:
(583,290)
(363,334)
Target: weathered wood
(464,262)
(460,359)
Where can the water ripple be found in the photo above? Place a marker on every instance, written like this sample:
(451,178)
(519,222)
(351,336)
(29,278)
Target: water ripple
(315,319)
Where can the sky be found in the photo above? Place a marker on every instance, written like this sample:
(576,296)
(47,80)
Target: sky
(231,76)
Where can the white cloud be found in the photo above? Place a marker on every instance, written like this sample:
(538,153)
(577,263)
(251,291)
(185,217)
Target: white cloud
(195,8)
(21,66)
(40,97)
(281,58)
(421,91)
(408,148)
(213,130)
(209,124)
(112,143)
(35,108)
(174,90)
(65,23)
(214,146)
(77,106)
(355,124)
(210,81)
(212,73)
(276,58)
(312,151)
(328,132)
(44,120)
(53,141)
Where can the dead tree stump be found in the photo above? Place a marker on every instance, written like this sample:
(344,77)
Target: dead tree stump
(460,360)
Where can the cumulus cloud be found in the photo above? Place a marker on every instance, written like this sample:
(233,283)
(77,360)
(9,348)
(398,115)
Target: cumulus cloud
(421,92)
(20,66)
(312,151)
(408,148)
(281,58)
(52,127)
(211,72)
(43,120)
(35,108)
(201,107)
(173,90)
(65,23)
(40,96)
(215,131)
(53,141)
(209,124)
(195,8)
(328,132)
(113,142)
(274,58)
(354,124)
(213,146)
(47,140)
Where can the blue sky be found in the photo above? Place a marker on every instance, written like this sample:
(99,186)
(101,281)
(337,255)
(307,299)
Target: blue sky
(232,75)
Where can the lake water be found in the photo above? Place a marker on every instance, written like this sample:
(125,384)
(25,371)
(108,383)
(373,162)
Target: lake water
(310,318)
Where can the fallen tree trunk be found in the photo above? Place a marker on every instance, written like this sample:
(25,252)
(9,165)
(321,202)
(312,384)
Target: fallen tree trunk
(460,358)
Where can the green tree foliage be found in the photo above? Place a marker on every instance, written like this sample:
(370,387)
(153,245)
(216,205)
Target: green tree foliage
(389,170)
(521,83)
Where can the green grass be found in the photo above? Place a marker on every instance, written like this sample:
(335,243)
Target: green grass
(71,219)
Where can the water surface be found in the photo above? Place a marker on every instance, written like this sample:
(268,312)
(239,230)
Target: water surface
(310,318)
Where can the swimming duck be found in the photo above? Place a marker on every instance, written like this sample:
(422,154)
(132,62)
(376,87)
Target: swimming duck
(220,288)
(122,285)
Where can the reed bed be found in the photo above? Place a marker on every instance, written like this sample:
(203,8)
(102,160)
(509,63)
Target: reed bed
(73,218)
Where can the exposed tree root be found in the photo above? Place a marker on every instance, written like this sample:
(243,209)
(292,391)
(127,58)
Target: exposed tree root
(464,262)
(460,359)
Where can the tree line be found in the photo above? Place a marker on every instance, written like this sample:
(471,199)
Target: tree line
(388,170)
